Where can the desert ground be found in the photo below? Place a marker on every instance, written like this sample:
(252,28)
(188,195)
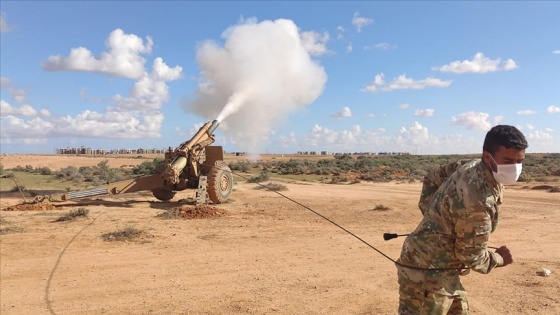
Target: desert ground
(266,254)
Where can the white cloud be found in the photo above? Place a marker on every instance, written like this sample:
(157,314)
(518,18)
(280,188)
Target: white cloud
(360,22)
(151,91)
(340,32)
(344,113)
(137,115)
(370,115)
(402,82)
(382,46)
(414,138)
(4,27)
(556,52)
(424,112)
(539,136)
(18,95)
(553,109)
(287,141)
(526,112)
(24,110)
(497,119)
(479,64)
(122,59)
(414,134)
(404,106)
(349,48)
(15,128)
(324,137)
(473,121)
(315,43)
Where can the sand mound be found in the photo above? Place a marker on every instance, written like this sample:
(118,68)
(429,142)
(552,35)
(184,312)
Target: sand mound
(31,207)
(192,212)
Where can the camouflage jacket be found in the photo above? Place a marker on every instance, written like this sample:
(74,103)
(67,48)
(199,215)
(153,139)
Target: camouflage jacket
(460,204)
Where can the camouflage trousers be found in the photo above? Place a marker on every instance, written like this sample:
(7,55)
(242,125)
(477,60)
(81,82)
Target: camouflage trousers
(416,299)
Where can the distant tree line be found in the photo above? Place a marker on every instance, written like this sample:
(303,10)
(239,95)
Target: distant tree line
(536,167)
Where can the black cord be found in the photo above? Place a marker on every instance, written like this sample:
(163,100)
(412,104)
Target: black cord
(352,234)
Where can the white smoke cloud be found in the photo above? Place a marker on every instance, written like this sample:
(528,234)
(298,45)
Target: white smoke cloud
(262,73)
(479,64)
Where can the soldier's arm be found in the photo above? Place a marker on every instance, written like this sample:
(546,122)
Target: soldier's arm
(472,229)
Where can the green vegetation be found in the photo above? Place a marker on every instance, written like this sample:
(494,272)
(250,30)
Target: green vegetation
(340,169)
(348,168)
(262,177)
(148,168)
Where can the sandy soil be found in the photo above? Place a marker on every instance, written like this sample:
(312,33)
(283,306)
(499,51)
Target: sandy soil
(265,255)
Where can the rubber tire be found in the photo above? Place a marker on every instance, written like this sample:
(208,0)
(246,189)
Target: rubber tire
(220,183)
(163,194)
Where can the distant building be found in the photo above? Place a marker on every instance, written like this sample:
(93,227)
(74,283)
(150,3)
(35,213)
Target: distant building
(88,151)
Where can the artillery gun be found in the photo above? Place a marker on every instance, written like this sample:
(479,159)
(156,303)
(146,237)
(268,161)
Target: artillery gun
(194,164)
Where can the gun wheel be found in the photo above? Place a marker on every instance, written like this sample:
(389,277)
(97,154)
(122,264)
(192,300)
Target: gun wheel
(163,194)
(220,183)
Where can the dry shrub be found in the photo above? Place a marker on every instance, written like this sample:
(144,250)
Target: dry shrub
(381,207)
(31,207)
(73,215)
(190,212)
(273,186)
(542,187)
(124,235)
(11,230)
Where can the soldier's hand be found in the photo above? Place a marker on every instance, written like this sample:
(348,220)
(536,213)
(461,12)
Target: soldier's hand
(506,255)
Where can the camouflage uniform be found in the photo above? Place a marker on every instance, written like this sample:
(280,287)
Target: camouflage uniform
(460,204)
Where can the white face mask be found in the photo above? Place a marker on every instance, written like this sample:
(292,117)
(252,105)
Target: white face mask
(507,174)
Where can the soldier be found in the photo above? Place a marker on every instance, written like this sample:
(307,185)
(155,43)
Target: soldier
(460,204)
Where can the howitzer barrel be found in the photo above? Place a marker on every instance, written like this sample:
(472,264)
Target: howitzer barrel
(213,127)
(201,139)
(203,135)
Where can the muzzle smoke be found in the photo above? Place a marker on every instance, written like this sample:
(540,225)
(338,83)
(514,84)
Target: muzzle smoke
(261,75)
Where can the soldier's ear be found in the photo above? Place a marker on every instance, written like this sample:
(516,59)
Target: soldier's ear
(486,158)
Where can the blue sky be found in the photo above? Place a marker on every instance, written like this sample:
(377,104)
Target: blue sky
(418,77)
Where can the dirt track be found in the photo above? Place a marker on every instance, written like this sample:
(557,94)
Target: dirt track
(265,255)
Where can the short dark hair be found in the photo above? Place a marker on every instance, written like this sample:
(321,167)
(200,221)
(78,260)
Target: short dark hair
(508,136)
